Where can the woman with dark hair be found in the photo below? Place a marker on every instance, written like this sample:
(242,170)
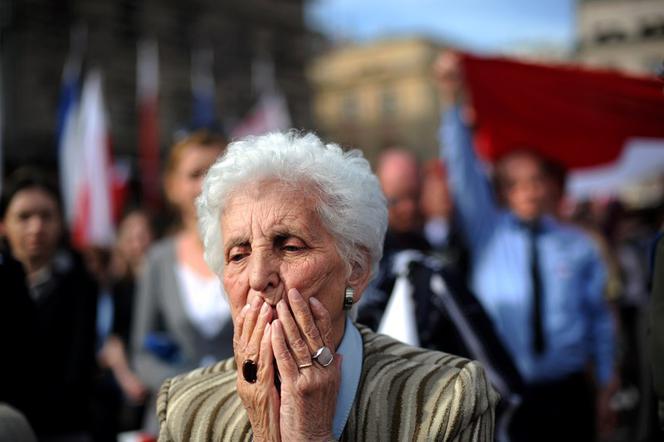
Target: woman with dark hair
(62,297)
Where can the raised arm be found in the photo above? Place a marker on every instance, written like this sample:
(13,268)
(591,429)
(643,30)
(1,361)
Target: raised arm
(473,198)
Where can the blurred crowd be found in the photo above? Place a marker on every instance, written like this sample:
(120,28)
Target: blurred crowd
(550,295)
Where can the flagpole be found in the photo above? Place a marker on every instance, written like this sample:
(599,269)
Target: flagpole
(67,132)
(203,88)
(147,88)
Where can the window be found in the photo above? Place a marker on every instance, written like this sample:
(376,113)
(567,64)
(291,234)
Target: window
(653,28)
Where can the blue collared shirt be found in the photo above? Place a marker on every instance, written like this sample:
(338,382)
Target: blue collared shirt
(578,326)
(351,368)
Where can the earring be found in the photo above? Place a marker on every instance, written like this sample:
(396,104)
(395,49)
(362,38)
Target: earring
(349,294)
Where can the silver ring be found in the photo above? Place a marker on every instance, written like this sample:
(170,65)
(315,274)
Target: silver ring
(323,356)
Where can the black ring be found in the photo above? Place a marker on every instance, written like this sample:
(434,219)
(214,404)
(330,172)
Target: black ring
(250,371)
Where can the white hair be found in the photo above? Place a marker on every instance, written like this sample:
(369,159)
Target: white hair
(350,202)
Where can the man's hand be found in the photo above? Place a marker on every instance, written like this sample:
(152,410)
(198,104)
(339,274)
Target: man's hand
(447,72)
(451,88)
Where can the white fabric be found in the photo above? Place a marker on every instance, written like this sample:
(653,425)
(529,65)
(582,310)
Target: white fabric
(399,318)
(203,300)
(642,158)
(93,200)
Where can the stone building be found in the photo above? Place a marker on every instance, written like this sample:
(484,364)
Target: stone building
(626,35)
(378,95)
(35,39)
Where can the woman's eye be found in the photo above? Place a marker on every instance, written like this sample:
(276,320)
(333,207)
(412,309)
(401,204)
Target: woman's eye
(292,248)
(236,257)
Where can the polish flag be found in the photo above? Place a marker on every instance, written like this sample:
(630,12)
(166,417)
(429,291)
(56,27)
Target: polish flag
(148,132)
(270,114)
(67,131)
(607,128)
(92,215)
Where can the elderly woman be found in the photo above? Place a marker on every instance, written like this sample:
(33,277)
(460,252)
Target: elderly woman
(295,229)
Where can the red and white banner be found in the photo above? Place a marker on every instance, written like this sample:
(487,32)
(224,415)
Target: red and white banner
(270,114)
(147,81)
(588,120)
(92,189)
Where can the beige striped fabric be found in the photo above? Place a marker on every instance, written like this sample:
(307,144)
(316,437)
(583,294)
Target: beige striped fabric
(405,393)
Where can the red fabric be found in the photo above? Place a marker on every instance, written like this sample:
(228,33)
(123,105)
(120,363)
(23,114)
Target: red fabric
(579,117)
(148,148)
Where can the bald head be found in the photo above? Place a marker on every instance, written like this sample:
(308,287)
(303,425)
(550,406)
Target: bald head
(398,173)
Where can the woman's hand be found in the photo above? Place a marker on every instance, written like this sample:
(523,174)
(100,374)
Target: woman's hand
(252,340)
(308,390)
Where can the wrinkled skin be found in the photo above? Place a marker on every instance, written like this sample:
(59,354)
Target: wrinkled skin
(285,282)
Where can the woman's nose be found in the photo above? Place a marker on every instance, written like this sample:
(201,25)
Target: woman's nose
(264,272)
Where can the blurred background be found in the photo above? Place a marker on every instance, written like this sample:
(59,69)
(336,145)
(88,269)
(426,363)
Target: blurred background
(111,85)
(357,72)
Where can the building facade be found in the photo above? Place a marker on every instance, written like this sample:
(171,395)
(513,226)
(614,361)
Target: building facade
(626,35)
(378,95)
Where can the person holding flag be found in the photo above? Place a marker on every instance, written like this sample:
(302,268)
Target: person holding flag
(541,281)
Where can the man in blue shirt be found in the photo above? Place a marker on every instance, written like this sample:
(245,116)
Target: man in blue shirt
(541,281)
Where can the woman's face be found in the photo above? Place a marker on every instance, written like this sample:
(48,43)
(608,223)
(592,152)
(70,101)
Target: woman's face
(185,181)
(275,241)
(134,237)
(32,226)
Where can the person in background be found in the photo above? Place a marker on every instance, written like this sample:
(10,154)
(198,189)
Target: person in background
(421,297)
(18,341)
(541,281)
(399,176)
(656,325)
(440,224)
(181,320)
(119,393)
(135,235)
(63,296)
(14,427)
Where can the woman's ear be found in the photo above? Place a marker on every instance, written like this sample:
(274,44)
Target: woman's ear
(359,277)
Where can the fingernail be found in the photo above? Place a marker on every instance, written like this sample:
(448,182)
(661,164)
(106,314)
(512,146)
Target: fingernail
(256,301)
(264,308)
(267,328)
(293,292)
(314,301)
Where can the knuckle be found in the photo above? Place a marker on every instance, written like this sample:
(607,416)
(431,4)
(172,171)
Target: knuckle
(283,353)
(311,331)
(298,344)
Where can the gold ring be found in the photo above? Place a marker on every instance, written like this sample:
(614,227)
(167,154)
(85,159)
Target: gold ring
(308,364)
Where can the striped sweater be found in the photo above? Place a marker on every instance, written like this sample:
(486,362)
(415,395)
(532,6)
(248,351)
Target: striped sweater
(405,393)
